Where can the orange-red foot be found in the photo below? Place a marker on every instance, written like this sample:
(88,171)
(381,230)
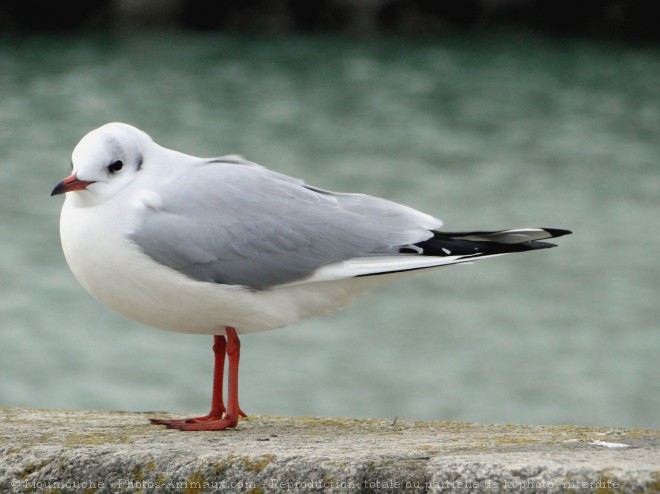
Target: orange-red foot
(192,420)
(227,422)
(172,423)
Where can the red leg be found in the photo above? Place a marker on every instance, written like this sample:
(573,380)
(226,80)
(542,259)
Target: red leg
(217,405)
(234,354)
(233,411)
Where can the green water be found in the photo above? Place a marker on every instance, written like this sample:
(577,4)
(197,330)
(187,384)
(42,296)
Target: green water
(485,132)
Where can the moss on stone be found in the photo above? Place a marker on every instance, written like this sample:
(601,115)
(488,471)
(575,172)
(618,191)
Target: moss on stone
(256,465)
(653,487)
(194,483)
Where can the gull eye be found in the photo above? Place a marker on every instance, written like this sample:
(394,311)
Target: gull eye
(115,167)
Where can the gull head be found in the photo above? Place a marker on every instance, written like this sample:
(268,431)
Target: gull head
(105,161)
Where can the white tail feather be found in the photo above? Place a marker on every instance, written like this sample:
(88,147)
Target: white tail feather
(366,266)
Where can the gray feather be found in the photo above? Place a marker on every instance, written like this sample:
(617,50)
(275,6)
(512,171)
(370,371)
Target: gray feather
(224,222)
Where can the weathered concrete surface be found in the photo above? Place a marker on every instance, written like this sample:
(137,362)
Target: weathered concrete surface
(60,451)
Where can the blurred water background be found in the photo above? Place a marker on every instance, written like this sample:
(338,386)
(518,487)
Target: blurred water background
(487,131)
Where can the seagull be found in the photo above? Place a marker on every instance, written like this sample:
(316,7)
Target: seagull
(223,246)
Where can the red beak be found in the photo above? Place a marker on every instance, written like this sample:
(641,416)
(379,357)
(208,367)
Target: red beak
(69,184)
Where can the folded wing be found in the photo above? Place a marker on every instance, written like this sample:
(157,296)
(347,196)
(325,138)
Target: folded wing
(230,223)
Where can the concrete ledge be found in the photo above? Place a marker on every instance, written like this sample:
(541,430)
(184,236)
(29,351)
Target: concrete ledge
(61,451)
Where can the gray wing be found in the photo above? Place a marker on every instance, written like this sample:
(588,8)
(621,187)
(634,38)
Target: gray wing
(224,222)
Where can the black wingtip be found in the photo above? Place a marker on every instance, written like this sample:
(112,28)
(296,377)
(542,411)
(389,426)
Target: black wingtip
(557,232)
(537,244)
(486,243)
